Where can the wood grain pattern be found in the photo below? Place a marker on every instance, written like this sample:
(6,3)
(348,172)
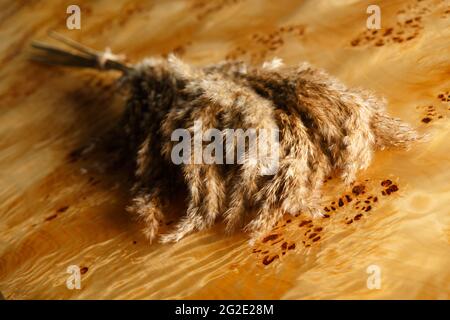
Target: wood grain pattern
(60,208)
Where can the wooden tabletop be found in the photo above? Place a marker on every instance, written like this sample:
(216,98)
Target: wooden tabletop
(62,210)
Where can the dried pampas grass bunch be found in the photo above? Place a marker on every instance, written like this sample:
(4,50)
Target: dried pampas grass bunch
(324,128)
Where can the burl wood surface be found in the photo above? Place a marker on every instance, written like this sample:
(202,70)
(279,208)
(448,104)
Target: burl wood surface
(62,207)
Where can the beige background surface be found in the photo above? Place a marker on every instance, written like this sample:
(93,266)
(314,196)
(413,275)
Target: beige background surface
(58,209)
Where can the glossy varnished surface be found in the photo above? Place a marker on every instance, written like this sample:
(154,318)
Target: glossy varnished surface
(60,208)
